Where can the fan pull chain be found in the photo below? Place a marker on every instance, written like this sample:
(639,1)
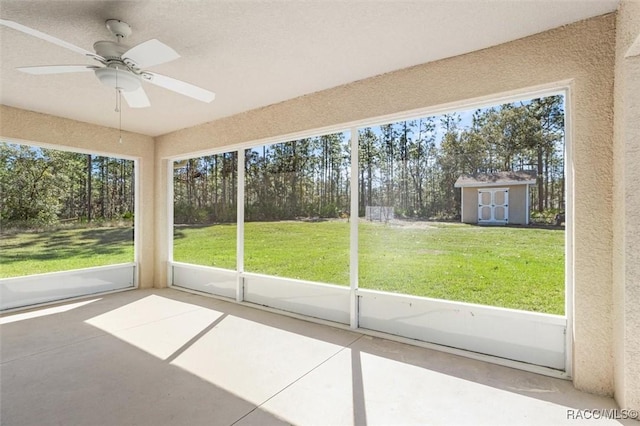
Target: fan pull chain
(117,93)
(119,107)
(120,114)
(118,100)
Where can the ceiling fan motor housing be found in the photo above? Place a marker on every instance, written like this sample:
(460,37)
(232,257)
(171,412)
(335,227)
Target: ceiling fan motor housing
(109,49)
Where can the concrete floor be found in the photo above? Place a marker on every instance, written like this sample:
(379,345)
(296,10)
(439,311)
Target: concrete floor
(165,357)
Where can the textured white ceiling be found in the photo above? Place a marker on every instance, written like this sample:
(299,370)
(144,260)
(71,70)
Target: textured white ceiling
(253,53)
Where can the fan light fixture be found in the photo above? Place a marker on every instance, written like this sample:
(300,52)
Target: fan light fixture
(117,79)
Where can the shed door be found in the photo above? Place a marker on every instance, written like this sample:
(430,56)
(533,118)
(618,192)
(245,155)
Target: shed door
(493,206)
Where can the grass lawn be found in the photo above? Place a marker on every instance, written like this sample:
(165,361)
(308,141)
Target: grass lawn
(51,251)
(313,251)
(520,268)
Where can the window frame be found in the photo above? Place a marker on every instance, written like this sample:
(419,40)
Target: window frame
(106,271)
(563,88)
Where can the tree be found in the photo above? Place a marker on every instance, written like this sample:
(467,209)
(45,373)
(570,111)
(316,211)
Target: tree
(450,162)
(30,191)
(421,157)
(368,157)
(549,115)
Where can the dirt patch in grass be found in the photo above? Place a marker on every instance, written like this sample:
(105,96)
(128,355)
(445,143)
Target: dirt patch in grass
(404,224)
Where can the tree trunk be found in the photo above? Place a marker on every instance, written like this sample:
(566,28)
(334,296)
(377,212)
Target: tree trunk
(89,189)
(540,180)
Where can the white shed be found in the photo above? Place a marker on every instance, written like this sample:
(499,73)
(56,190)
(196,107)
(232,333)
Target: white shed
(496,198)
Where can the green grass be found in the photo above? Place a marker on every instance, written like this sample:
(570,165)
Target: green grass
(59,250)
(314,251)
(520,268)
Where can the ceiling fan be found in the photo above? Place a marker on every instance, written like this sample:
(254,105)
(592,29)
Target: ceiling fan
(123,68)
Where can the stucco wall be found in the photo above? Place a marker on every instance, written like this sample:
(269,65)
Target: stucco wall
(626,259)
(517,204)
(39,128)
(582,52)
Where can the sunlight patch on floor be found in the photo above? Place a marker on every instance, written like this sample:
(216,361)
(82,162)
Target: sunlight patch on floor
(157,325)
(252,360)
(44,312)
(356,387)
(149,309)
(249,359)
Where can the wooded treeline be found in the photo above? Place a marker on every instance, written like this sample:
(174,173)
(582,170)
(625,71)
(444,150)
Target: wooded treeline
(410,165)
(413,165)
(40,187)
(302,178)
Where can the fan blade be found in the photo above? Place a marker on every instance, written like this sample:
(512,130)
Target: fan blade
(150,53)
(45,37)
(56,69)
(178,86)
(137,98)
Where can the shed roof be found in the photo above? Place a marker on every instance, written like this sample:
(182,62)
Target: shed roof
(522,177)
